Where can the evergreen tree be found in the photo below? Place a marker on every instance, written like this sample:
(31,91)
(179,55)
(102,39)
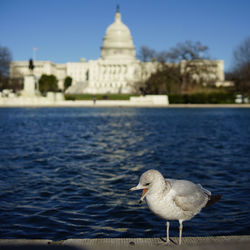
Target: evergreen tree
(48,83)
(67,82)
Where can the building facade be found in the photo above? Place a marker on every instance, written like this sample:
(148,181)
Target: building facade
(116,71)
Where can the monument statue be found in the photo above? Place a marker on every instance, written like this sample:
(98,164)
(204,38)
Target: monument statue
(31,65)
(30,88)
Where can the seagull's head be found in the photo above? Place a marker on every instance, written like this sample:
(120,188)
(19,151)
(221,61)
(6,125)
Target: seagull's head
(147,180)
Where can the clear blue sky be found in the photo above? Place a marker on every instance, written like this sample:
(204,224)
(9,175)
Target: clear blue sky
(67,30)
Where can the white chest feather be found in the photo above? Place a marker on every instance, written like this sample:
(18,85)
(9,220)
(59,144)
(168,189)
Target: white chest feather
(164,206)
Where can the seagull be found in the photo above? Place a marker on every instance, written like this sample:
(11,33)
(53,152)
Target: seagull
(173,199)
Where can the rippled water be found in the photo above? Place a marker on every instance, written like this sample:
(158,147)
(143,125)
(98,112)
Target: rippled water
(64,173)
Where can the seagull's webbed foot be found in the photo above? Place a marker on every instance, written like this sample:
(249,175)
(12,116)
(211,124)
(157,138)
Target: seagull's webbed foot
(164,242)
(167,241)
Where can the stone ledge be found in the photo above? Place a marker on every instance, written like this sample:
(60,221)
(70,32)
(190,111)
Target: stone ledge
(194,243)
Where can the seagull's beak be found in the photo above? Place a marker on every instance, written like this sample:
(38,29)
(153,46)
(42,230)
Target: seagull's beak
(138,187)
(144,192)
(133,189)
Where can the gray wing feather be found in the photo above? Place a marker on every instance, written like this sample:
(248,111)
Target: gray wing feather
(207,192)
(189,196)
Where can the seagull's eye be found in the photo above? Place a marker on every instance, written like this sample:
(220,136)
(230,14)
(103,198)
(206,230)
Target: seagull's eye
(147,184)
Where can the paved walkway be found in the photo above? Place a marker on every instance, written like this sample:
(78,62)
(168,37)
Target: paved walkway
(194,243)
(120,104)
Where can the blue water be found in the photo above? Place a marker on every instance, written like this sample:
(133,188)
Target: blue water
(64,173)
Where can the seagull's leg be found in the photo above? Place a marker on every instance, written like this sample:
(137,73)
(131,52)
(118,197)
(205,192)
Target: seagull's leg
(163,243)
(168,224)
(180,231)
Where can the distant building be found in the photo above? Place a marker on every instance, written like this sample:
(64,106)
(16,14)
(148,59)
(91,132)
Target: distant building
(115,72)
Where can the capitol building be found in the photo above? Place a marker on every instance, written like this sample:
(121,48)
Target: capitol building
(116,71)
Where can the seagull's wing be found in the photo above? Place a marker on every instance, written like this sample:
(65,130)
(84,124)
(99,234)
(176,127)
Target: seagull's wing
(169,183)
(189,196)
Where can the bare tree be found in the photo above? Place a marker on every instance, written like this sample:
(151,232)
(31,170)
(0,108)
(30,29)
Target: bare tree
(241,70)
(183,68)
(161,57)
(5,59)
(196,68)
(179,70)
(241,55)
(146,54)
(166,80)
(188,51)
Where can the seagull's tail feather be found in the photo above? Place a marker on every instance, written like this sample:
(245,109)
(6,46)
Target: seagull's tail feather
(213,199)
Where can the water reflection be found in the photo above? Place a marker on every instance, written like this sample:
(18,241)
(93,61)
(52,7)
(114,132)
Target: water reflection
(65,172)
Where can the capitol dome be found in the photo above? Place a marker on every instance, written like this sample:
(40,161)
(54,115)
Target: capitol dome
(118,43)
